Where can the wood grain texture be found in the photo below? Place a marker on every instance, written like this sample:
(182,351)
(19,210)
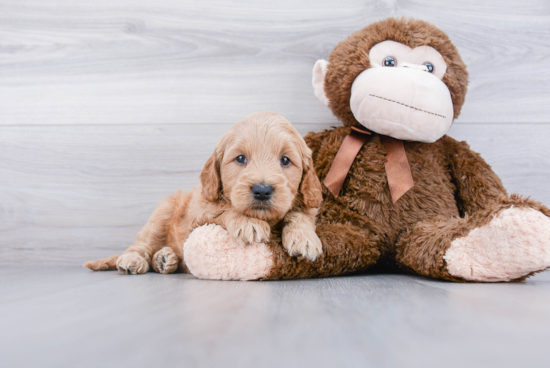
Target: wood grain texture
(212,61)
(71,317)
(73,193)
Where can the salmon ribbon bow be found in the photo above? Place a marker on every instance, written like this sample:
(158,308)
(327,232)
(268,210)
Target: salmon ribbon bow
(398,170)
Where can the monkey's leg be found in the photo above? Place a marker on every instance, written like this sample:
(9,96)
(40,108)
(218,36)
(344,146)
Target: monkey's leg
(507,242)
(211,253)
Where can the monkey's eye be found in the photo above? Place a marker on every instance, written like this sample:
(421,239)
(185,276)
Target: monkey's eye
(389,61)
(430,67)
(285,161)
(241,159)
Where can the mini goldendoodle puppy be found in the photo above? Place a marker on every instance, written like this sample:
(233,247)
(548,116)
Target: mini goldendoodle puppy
(260,173)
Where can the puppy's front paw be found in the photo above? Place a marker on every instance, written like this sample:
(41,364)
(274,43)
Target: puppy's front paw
(132,264)
(250,231)
(302,241)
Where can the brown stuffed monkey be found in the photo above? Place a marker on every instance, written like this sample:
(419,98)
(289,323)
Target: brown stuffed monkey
(398,192)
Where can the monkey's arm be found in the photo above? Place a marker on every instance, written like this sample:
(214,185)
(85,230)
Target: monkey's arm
(477,186)
(346,249)
(211,253)
(315,141)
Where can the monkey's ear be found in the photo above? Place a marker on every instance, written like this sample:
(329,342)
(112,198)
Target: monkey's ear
(318,80)
(211,180)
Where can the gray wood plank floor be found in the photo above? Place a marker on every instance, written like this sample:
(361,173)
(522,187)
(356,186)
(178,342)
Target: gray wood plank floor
(71,317)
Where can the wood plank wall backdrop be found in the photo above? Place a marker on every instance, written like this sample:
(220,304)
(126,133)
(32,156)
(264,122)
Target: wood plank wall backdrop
(108,106)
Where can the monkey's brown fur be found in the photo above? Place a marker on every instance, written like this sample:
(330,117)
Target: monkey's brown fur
(454,190)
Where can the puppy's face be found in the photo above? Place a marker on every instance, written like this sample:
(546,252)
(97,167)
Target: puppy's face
(263,167)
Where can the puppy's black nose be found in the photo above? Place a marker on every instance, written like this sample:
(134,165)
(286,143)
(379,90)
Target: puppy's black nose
(262,191)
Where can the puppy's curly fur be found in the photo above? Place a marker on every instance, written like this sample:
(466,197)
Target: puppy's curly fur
(249,153)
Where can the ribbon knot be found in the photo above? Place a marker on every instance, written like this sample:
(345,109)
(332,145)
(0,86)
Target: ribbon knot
(397,166)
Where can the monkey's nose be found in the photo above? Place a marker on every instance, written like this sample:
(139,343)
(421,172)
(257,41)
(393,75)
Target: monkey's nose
(262,191)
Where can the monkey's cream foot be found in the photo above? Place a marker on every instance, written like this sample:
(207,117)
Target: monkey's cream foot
(211,253)
(514,244)
(165,261)
(301,240)
(132,263)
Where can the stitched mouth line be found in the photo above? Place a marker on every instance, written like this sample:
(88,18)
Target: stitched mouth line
(412,107)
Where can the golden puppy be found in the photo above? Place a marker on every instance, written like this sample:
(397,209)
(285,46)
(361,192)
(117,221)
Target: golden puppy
(260,173)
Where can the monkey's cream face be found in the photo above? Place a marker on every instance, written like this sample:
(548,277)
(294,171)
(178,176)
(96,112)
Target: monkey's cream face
(401,95)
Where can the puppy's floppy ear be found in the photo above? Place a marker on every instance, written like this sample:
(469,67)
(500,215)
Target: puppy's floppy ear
(311,189)
(210,179)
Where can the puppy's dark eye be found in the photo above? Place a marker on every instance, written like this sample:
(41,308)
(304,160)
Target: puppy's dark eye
(241,159)
(389,61)
(285,161)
